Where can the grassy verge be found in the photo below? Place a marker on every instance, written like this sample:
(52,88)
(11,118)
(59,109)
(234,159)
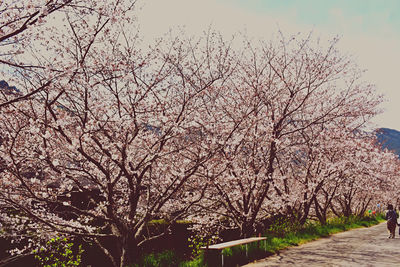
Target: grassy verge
(313,231)
(275,242)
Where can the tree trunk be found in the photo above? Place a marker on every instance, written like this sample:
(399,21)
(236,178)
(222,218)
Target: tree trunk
(320,212)
(129,250)
(306,211)
(247,230)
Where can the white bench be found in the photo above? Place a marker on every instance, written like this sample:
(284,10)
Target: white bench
(221,246)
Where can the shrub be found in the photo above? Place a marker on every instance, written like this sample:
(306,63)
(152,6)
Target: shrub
(196,242)
(59,253)
(163,259)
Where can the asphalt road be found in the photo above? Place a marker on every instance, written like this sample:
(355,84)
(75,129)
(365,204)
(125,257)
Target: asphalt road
(359,247)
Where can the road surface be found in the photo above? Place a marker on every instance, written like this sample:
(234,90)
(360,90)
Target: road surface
(359,247)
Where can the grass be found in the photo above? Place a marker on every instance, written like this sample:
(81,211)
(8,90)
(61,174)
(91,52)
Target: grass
(275,241)
(163,259)
(313,231)
(199,261)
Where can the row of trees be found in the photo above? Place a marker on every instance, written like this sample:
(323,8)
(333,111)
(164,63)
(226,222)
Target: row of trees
(225,133)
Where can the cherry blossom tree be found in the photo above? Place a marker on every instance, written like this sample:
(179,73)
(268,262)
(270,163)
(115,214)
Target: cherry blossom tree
(28,28)
(125,130)
(289,92)
(109,135)
(344,166)
(373,175)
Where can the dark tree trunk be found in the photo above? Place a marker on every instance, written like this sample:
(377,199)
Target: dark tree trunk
(247,229)
(306,211)
(320,212)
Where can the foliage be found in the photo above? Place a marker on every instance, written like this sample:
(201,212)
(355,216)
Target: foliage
(197,262)
(196,242)
(281,225)
(163,259)
(59,252)
(314,230)
(158,222)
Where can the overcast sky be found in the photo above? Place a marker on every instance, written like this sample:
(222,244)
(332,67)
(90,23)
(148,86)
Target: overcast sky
(368,29)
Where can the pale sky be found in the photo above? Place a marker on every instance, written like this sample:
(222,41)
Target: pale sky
(368,29)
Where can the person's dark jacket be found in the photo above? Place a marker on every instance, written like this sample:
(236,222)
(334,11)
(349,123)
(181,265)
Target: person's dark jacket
(391,215)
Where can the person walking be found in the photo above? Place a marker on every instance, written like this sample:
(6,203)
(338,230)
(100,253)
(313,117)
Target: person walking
(391,217)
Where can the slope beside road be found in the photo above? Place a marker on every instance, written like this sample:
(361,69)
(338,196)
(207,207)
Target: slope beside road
(359,247)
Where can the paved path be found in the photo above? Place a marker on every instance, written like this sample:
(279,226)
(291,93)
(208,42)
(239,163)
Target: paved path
(359,247)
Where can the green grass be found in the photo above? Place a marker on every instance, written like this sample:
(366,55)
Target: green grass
(198,262)
(275,241)
(163,259)
(312,231)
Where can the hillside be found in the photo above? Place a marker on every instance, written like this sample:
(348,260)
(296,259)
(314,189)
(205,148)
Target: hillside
(7,89)
(389,139)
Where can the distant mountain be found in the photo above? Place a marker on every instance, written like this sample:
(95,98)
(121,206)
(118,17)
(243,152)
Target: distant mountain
(8,89)
(389,139)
